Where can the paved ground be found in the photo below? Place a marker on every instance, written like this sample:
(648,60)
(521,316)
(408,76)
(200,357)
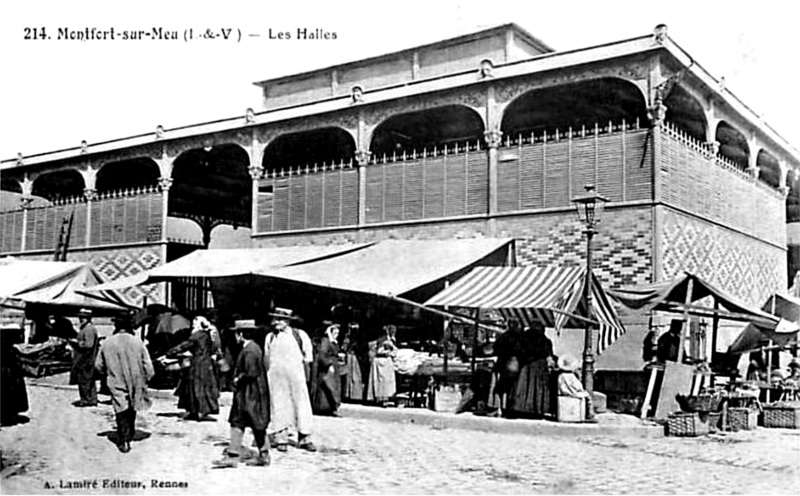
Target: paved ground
(62,444)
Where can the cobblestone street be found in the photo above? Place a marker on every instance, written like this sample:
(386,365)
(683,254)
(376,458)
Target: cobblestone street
(62,444)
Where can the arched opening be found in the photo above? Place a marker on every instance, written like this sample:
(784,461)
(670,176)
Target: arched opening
(732,145)
(598,101)
(319,146)
(212,186)
(56,185)
(430,128)
(770,170)
(127,174)
(685,112)
(793,199)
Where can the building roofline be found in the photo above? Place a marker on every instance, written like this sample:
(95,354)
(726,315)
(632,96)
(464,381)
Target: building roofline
(540,63)
(407,51)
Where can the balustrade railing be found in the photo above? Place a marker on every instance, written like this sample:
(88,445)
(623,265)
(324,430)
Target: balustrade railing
(113,217)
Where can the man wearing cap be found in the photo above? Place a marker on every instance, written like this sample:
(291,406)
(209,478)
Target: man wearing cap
(251,401)
(288,355)
(85,347)
(124,359)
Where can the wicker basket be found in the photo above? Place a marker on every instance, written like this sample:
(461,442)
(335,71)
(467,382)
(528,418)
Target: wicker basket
(712,419)
(686,424)
(742,419)
(783,416)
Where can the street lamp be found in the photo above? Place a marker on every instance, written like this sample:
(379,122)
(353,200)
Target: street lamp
(589,208)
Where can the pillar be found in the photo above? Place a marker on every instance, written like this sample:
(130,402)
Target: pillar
(27,199)
(362,159)
(256,170)
(90,194)
(783,179)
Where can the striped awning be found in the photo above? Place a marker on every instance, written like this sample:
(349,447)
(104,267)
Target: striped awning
(552,296)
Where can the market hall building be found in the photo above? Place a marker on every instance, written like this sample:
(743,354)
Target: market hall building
(487,135)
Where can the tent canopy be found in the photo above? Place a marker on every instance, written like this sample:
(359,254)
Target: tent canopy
(393,267)
(54,283)
(671,295)
(230,262)
(755,336)
(550,295)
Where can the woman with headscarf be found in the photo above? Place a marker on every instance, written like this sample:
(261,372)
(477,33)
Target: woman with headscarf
(382,384)
(198,390)
(531,394)
(325,390)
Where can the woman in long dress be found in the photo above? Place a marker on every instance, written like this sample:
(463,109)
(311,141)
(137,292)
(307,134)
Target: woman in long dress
(352,382)
(198,390)
(326,395)
(382,384)
(531,394)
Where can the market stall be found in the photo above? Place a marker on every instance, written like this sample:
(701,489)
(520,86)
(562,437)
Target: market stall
(37,289)
(687,384)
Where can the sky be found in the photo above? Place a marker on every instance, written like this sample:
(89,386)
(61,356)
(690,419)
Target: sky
(56,93)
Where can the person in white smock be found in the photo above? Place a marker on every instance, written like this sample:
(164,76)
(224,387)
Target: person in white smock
(288,355)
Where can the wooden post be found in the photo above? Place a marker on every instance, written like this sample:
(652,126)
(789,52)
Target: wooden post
(685,328)
(714,331)
(446,339)
(475,342)
(769,372)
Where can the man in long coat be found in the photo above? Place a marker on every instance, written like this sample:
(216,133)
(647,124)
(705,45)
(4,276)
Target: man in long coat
(86,346)
(251,400)
(288,354)
(125,361)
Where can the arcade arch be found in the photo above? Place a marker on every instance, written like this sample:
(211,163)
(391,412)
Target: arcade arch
(732,145)
(586,103)
(326,145)
(67,183)
(440,126)
(127,174)
(686,112)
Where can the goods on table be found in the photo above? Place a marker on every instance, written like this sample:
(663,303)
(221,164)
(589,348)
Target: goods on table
(51,357)
(782,414)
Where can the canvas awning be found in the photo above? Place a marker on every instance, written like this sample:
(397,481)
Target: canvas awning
(784,333)
(392,267)
(54,283)
(671,296)
(550,295)
(231,262)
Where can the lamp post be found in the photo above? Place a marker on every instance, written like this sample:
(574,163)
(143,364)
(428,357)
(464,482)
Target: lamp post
(589,207)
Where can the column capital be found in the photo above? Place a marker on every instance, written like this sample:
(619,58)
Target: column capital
(363,156)
(165,183)
(713,148)
(493,138)
(255,171)
(657,113)
(90,194)
(26,202)
(754,171)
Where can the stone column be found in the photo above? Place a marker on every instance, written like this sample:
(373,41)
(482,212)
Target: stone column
(90,194)
(492,138)
(256,170)
(752,158)
(362,159)
(783,179)
(26,200)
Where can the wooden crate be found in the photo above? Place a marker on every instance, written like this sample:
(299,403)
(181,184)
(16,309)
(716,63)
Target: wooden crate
(446,399)
(686,424)
(571,409)
(742,418)
(782,416)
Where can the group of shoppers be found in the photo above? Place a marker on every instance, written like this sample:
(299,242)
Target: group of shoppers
(527,376)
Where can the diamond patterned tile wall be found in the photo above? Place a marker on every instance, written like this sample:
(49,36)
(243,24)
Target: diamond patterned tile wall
(743,266)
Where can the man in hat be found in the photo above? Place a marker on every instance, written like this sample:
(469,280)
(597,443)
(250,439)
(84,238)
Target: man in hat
(125,361)
(251,401)
(85,347)
(288,355)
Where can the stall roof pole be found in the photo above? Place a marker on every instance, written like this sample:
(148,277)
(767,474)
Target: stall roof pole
(475,341)
(446,341)
(714,331)
(685,328)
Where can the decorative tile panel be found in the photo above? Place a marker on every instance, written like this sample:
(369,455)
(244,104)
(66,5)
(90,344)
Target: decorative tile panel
(743,266)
